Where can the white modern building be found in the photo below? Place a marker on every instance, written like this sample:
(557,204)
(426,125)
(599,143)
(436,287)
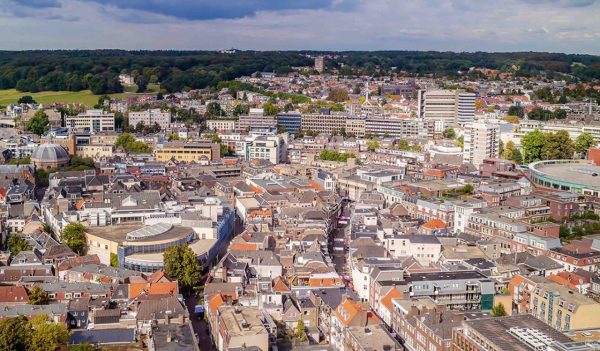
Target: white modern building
(92,120)
(481,141)
(446,108)
(149,117)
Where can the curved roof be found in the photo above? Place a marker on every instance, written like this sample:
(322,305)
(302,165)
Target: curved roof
(50,153)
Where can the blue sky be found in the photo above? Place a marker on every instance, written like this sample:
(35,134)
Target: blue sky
(457,25)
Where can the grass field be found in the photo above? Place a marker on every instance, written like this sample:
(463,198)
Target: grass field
(10,96)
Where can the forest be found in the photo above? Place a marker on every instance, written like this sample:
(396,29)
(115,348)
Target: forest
(98,70)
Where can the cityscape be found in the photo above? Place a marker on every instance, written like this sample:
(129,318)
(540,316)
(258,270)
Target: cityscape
(311,196)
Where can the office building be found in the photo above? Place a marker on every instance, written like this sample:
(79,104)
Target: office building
(324,123)
(92,121)
(395,127)
(270,148)
(150,117)
(481,141)
(255,119)
(446,108)
(188,152)
(221,124)
(291,122)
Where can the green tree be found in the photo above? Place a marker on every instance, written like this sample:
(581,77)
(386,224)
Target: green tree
(516,111)
(128,142)
(558,146)
(516,157)
(182,263)
(26,99)
(460,142)
(532,143)
(86,346)
(213,109)
(37,296)
(373,145)
(584,142)
(241,109)
(17,244)
(38,124)
(73,235)
(449,133)
(114,260)
(300,333)
(14,334)
(403,145)
(270,109)
(47,336)
(498,310)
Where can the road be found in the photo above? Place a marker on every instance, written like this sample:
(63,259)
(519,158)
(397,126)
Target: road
(200,328)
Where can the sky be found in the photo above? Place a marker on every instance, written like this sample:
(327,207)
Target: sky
(571,26)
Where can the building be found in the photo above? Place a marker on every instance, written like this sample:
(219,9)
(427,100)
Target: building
(255,119)
(481,141)
(94,151)
(578,176)
(320,64)
(241,327)
(291,121)
(92,120)
(465,108)
(270,148)
(404,128)
(324,123)
(221,124)
(188,152)
(515,333)
(563,308)
(150,117)
(47,156)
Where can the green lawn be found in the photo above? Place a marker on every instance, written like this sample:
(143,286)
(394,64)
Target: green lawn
(10,96)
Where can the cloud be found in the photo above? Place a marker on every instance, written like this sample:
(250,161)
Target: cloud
(220,9)
(38,3)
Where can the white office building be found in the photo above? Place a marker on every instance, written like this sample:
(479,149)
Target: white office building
(92,121)
(149,117)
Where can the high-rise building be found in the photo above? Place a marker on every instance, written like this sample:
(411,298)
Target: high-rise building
(446,108)
(481,141)
(466,108)
(319,64)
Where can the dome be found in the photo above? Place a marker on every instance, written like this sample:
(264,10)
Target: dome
(46,153)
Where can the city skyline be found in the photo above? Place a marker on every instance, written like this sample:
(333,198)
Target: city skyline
(518,25)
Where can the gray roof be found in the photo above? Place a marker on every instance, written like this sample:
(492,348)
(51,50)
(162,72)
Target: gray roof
(104,336)
(49,153)
(33,310)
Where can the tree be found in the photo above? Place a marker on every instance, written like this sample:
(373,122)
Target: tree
(38,124)
(241,109)
(37,296)
(511,119)
(128,142)
(26,99)
(114,260)
(403,145)
(584,142)
(449,133)
(14,334)
(558,146)
(47,336)
(498,310)
(17,244)
(532,143)
(182,263)
(373,145)
(300,333)
(270,109)
(516,157)
(213,109)
(338,95)
(460,142)
(516,111)
(73,235)
(86,346)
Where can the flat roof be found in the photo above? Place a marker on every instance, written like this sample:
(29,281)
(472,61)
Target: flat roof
(568,171)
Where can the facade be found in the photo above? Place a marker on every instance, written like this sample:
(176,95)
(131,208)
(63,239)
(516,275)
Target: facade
(466,108)
(188,152)
(440,108)
(270,148)
(92,120)
(255,120)
(320,64)
(221,124)
(291,121)
(481,141)
(324,123)
(395,127)
(150,117)
(94,151)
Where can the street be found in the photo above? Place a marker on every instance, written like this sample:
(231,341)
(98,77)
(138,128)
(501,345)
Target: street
(199,326)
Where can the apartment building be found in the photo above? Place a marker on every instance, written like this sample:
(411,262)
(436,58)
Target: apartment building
(324,123)
(92,121)
(481,141)
(150,117)
(563,308)
(221,124)
(270,148)
(188,152)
